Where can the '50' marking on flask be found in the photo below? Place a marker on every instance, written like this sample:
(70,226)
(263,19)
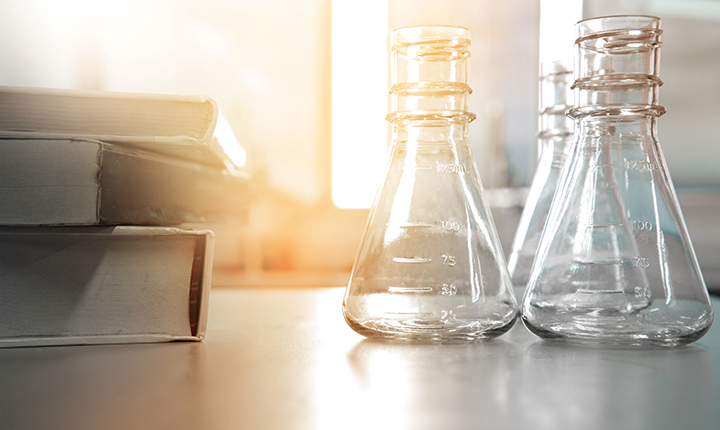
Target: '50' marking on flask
(642,292)
(448,290)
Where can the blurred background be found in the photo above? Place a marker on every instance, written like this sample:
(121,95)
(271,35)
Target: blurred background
(304,83)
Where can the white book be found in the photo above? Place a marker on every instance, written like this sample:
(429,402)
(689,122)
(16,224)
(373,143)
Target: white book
(189,127)
(88,182)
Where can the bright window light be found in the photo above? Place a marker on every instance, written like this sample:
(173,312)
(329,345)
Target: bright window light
(359,100)
(228,142)
(557,29)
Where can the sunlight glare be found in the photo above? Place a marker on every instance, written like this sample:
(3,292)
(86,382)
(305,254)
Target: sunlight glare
(359,100)
(229,143)
(557,28)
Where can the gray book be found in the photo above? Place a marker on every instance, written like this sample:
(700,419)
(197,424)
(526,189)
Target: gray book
(93,285)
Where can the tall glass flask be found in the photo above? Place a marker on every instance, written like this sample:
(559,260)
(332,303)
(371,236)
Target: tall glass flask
(615,264)
(556,130)
(430,266)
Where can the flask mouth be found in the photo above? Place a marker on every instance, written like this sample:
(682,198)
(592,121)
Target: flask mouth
(421,34)
(430,54)
(620,34)
(597,27)
(618,44)
(430,67)
(617,66)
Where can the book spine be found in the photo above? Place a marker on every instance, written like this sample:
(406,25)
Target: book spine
(196,284)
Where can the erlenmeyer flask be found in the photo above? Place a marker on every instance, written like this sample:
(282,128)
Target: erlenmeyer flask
(556,131)
(615,264)
(430,266)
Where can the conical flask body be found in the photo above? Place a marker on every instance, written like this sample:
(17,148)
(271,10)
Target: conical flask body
(535,213)
(555,135)
(430,266)
(615,264)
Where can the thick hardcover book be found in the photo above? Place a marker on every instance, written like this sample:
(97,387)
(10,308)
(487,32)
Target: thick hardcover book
(189,127)
(92,285)
(84,182)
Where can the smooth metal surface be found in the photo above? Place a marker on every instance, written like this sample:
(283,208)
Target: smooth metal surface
(285,359)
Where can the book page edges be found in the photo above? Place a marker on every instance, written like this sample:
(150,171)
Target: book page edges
(115,230)
(64,92)
(206,285)
(141,141)
(209,149)
(94,340)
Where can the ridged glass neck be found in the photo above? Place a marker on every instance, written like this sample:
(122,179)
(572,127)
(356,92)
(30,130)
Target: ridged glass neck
(616,130)
(430,66)
(617,65)
(421,133)
(556,97)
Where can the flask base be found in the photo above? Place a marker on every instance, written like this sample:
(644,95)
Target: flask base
(424,331)
(647,328)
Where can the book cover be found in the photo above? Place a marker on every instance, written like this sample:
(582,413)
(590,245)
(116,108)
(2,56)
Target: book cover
(91,285)
(188,127)
(87,182)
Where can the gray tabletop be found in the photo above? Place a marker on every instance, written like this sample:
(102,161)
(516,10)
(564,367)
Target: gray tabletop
(285,359)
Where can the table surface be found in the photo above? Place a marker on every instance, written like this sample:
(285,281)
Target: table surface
(285,359)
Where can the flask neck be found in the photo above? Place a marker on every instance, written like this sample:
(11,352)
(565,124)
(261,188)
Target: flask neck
(556,97)
(430,132)
(426,97)
(617,65)
(430,67)
(616,130)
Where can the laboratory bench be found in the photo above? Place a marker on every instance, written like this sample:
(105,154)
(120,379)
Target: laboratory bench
(284,358)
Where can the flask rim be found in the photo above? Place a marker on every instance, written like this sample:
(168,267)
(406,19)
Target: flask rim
(418,34)
(595,27)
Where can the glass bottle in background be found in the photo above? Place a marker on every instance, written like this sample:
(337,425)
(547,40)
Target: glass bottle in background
(615,264)
(430,265)
(556,130)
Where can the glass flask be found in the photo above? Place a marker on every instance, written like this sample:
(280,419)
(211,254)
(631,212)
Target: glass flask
(615,264)
(556,130)
(430,266)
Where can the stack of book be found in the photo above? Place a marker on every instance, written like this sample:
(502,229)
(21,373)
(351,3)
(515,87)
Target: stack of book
(92,185)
